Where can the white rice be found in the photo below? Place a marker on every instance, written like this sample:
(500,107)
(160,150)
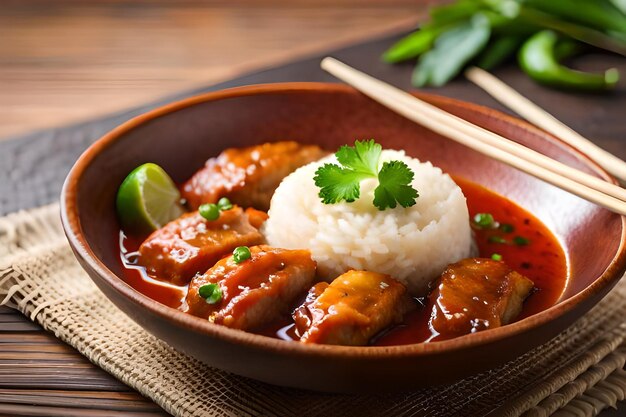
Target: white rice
(413,244)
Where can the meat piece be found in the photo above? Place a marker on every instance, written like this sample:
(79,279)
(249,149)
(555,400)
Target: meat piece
(255,291)
(248,176)
(192,244)
(302,315)
(477,294)
(256,217)
(352,309)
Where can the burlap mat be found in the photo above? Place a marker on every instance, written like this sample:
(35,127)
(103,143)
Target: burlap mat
(578,373)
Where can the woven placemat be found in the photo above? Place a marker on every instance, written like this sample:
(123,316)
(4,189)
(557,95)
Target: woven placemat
(578,373)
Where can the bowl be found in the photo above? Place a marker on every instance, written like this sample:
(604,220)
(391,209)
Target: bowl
(181,136)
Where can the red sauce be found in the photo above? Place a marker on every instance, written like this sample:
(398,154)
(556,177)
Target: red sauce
(542,260)
(136,276)
(537,255)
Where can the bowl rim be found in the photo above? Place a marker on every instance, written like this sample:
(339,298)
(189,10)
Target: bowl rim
(73,230)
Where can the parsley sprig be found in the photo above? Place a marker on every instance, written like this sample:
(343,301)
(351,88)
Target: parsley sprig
(359,162)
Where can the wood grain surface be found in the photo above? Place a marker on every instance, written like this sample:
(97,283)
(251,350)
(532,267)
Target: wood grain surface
(40,376)
(63,62)
(69,61)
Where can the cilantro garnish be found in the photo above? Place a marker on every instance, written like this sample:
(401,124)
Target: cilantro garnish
(359,162)
(338,183)
(362,157)
(394,179)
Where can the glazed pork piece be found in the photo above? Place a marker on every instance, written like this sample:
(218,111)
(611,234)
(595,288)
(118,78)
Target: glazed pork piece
(256,217)
(192,244)
(352,309)
(248,176)
(477,294)
(256,291)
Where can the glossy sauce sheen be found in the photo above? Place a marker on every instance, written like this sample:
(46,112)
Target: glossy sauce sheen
(542,260)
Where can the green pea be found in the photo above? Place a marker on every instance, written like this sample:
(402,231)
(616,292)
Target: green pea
(484,220)
(209,211)
(496,239)
(520,241)
(212,293)
(224,204)
(241,253)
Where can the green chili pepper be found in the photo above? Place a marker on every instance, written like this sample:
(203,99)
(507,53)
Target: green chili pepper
(581,33)
(619,5)
(452,50)
(453,38)
(499,50)
(567,48)
(414,44)
(451,13)
(501,16)
(594,13)
(538,59)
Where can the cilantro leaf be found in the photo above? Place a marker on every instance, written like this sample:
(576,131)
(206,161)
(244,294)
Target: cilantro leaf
(394,179)
(338,183)
(362,157)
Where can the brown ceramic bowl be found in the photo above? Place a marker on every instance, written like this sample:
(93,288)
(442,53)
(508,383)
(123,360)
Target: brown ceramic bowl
(181,136)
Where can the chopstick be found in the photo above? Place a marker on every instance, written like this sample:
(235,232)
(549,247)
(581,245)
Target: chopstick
(488,143)
(538,116)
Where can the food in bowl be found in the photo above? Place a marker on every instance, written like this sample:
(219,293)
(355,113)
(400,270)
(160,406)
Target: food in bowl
(412,244)
(363,247)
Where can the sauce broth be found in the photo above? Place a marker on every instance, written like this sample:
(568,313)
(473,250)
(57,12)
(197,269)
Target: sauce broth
(525,244)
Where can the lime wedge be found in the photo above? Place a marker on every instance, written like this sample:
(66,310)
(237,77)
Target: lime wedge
(147,199)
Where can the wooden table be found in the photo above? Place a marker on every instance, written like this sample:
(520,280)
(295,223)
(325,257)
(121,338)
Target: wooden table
(61,63)
(70,61)
(64,62)
(41,376)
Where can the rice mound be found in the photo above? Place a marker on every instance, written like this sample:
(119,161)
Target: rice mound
(413,244)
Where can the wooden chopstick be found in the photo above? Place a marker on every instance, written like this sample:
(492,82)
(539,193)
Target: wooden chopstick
(538,116)
(481,140)
(497,141)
